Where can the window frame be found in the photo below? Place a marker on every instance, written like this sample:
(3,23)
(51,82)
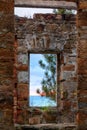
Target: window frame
(57,77)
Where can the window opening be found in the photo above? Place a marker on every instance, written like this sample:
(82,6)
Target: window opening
(43,80)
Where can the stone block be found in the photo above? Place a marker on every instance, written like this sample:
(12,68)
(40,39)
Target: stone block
(22,104)
(82,104)
(82,64)
(68,75)
(82,85)
(82,99)
(82,93)
(8,9)
(23,91)
(34,120)
(82,15)
(23,77)
(82,119)
(51,27)
(82,68)
(70,84)
(71,60)
(83,4)
(23,58)
(8,116)
(6,53)
(20,67)
(22,116)
(82,46)
(82,23)
(69,68)
(82,78)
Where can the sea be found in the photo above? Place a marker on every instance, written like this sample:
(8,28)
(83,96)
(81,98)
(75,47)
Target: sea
(39,101)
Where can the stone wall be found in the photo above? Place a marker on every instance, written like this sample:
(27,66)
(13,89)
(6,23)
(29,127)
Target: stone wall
(46,33)
(82,65)
(6,63)
(6,70)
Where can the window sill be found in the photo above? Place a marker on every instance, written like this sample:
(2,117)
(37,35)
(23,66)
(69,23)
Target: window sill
(51,126)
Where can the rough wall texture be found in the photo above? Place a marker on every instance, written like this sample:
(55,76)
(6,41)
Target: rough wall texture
(6,63)
(82,65)
(46,33)
(6,74)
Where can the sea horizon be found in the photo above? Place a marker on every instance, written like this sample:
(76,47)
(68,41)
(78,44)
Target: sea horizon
(41,101)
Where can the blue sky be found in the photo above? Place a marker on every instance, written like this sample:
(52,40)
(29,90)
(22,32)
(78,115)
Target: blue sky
(36,72)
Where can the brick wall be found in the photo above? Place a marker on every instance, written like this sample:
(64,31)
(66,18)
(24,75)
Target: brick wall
(7,72)
(82,65)
(6,63)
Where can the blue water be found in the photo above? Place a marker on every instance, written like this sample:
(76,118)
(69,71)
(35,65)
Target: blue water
(38,101)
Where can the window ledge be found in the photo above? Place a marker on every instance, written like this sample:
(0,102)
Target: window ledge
(53,126)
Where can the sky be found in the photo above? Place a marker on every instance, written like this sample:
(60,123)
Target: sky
(36,73)
(28,12)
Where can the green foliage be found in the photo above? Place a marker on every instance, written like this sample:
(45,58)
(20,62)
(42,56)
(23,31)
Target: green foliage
(49,80)
(45,108)
(63,11)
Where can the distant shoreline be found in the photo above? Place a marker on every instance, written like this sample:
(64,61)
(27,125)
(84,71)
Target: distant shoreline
(41,101)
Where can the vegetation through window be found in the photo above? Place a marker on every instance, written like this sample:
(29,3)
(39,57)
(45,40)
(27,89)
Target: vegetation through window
(43,80)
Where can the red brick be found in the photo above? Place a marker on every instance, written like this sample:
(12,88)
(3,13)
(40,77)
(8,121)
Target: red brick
(82,85)
(23,91)
(6,53)
(9,6)
(82,63)
(82,48)
(81,119)
(20,67)
(22,104)
(83,5)
(82,93)
(69,67)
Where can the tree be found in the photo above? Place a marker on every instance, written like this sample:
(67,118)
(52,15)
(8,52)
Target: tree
(49,80)
(63,11)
